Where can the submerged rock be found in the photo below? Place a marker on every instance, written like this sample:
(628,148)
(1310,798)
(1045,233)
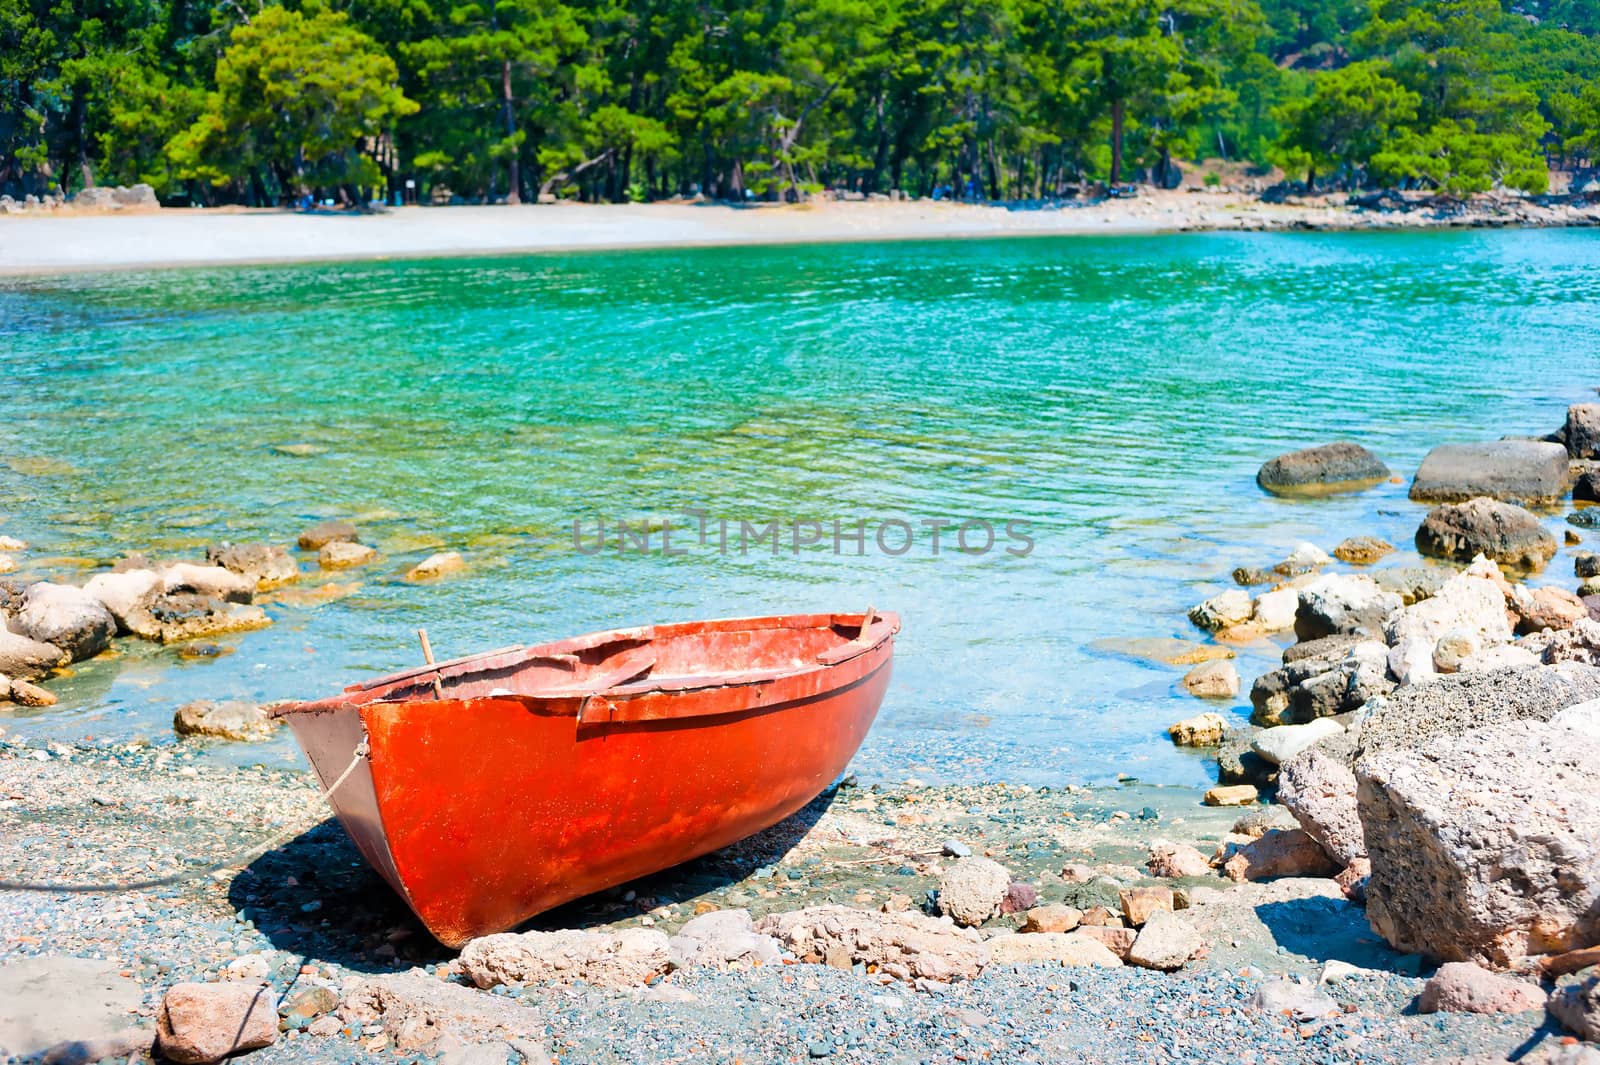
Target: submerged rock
(433,567)
(1503,532)
(1528,471)
(192,616)
(1483,845)
(1336,467)
(1362,550)
(343,554)
(1212,680)
(327,532)
(268,565)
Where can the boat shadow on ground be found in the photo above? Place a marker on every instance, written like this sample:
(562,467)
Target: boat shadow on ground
(316,897)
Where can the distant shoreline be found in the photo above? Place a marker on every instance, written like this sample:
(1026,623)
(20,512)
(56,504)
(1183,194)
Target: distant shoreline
(72,242)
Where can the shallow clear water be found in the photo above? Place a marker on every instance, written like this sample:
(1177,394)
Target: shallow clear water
(1115,394)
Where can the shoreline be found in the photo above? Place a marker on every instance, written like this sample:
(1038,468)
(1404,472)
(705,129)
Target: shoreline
(70,243)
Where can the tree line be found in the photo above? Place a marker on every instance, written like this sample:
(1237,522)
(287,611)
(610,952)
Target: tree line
(616,100)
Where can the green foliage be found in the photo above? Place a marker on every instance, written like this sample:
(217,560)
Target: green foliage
(625,100)
(298,96)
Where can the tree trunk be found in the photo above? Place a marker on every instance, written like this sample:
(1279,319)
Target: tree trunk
(514,178)
(1116,142)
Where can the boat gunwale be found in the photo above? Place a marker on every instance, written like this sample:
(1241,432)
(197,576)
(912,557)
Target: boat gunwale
(882,628)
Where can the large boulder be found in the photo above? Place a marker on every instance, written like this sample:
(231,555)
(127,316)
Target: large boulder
(905,945)
(66,617)
(1341,603)
(1529,471)
(1321,793)
(1454,705)
(1582,431)
(1337,467)
(1486,846)
(628,957)
(26,658)
(1503,532)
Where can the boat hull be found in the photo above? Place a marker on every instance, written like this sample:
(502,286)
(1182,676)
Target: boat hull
(485,811)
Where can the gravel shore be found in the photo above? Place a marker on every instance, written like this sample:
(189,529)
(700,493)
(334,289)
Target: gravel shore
(317,914)
(53,243)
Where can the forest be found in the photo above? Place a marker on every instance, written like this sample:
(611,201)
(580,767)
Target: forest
(239,101)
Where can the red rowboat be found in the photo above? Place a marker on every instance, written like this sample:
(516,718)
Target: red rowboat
(497,786)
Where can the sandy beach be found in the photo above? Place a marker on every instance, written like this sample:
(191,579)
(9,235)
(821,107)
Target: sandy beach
(52,243)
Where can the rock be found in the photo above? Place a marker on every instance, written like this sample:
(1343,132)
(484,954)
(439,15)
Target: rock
(327,532)
(1231,795)
(1166,942)
(309,1003)
(24,693)
(906,946)
(1052,917)
(1282,997)
(1506,656)
(1462,987)
(1202,730)
(1343,603)
(954,848)
(1303,559)
(435,566)
(7,564)
(1483,845)
(1057,948)
(1238,764)
(972,889)
(215,581)
(1586,564)
(1454,648)
(1115,938)
(343,554)
(1585,489)
(418,1010)
(1279,852)
(1362,550)
(1213,680)
(626,958)
(1169,859)
(66,617)
(1453,705)
(1577,1007)
(1582,431)
(1138,903)
(207,1022)
(1337,467)
(1261,820)
(1464,603)
(1412,583)
(1278,745)
(51,1002)
(125,592)
(1321,793)
(1580,643)
(234,720)
(22,658)
(1019,898)
(1503,532)
(1275,611)
(267,565)
(1525,470)
(721,938)
(1251,575)
(11,543)
(1232,607)
(192,616)
(1538,609)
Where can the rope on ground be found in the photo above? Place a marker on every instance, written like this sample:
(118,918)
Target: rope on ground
(238,860)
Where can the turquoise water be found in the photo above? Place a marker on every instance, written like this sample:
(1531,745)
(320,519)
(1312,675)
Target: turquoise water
(1114,394)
